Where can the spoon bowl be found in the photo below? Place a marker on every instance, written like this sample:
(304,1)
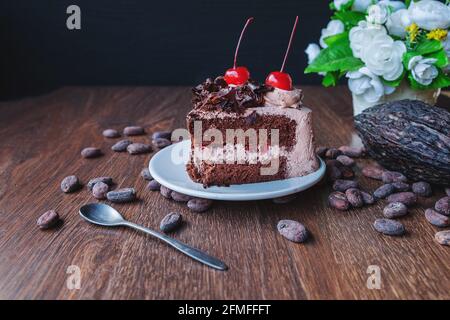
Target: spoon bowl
(101,214)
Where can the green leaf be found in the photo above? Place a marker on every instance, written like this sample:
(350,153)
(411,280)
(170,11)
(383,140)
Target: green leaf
(441,56)
(442,81)
(338,57)
(330,79)
(407,56)
(428,46)
(349,18)
(337,38)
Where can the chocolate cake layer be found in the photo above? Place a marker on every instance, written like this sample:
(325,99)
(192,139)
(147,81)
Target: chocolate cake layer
(228,174)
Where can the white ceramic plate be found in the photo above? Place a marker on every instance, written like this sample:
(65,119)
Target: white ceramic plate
(172,174)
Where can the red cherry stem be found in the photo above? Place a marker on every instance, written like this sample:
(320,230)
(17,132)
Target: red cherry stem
(239,42)
(289,45)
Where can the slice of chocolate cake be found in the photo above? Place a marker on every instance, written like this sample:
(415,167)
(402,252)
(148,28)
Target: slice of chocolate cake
(248,133)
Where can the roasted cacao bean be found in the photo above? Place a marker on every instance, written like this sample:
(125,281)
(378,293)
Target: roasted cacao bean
(121,146)
(384,191)
(443,206)
(133,131)
(162,134)
(111,133)
(199,204)
(153,185)
(91,152)
(355,198)
(70,184)
(161,143)
(100,190)
(368,198)
(436,219)
(292,230)
(338,200)
(389,227)
(92,182)
(48,220)
(354,152)
(401,186)
(139,148)
(179,197)
(145,173)
(392,176)
(121,195)
(394,210)
(345,160)
(407,198)
(165,192)
(342,185)
(171,222)
(443,237)
(422,189)
(373,172)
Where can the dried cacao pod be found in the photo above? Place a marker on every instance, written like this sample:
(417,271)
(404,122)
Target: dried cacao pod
(408,136)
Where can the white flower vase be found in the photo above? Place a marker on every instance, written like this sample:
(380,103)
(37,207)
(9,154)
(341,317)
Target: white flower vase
(404,91)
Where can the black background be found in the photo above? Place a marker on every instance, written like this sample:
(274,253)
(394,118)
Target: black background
(145,42)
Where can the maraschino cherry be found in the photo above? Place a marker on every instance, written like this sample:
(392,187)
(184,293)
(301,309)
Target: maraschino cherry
(280,79)
(238,75)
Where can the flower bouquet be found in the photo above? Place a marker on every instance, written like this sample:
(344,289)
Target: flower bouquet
(388,50)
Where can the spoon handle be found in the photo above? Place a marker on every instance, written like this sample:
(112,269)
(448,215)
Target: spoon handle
(191,252)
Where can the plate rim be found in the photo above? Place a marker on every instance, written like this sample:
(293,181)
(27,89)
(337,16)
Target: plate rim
(238,196)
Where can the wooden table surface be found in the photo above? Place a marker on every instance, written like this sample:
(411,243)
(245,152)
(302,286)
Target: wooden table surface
(40,143)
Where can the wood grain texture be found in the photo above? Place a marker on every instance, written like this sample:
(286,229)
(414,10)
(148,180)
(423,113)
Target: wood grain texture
(40,143)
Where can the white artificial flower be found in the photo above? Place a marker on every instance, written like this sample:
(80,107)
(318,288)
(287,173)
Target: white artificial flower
(362,35)
(367,85)
(339,3)
(423,69)
(383,56)
(362,5)
(392,5)
(312,51)
(430,14)
(377,14)
(334,27)
(397,23)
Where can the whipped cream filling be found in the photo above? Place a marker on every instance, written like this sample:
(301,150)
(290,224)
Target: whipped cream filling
(284,98)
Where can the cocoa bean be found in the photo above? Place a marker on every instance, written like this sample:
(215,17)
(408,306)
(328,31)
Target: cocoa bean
(292,230)
(355,198)
(443,206)
(91,152)
(407,198)
(345,160)
(389,227)
(401,186)
(373,172)
(145,173)
(354,152)
(368,198)
(333,172)
(332,153)
(342,185)
(338,200)
(162,134)
(394,210)
(139,148)
(321,151)
(154,185)
(133,131)
(384,191)
(179,197)
(48,220)
(92,182)
(346,172)
(100,190)
(285,199)
(165,192)
(443,237)
(199,204)
(121,146)
(111,133)
(121,195)
(393,176)
(436,219)
(161,143)
(170,222)
(70,184)
(422,189)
